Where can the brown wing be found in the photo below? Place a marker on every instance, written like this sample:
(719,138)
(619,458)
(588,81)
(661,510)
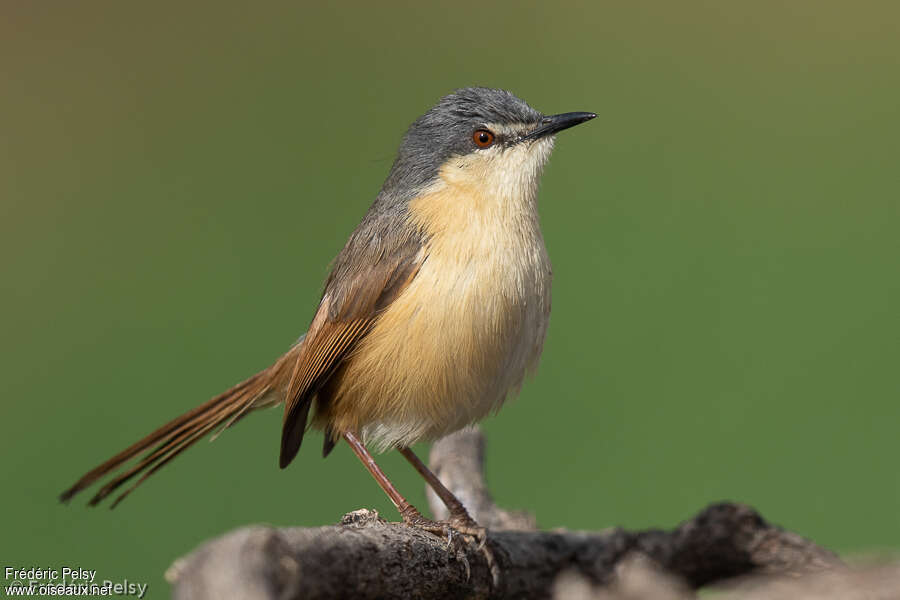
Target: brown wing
(365,280)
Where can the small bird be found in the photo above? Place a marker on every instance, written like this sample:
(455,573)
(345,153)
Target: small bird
(433,313)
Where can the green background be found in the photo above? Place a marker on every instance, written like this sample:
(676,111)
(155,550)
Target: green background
(174,181)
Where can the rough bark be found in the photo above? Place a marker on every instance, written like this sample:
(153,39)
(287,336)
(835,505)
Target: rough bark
(366,557)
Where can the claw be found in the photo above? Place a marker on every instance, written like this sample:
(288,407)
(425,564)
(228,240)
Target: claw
(465,562)
(458,530)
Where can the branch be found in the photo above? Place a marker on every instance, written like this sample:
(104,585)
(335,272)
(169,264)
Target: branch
(366,557)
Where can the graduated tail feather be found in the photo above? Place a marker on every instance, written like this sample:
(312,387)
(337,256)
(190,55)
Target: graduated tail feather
(178,435)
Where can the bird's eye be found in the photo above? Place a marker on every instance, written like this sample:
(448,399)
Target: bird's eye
(483,138)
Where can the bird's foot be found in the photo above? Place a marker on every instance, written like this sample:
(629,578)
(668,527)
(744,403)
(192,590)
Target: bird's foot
(460,531)
(442,529)
(466,525)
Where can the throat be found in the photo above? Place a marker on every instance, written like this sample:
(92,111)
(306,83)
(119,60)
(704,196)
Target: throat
(477,215)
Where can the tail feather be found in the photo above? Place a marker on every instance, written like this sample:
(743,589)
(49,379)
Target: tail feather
(178,435)
(161,462)
(237,416)
(182,440)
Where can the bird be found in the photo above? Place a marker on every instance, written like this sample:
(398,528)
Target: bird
(433,313)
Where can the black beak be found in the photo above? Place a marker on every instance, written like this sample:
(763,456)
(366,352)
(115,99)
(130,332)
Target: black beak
(555,123)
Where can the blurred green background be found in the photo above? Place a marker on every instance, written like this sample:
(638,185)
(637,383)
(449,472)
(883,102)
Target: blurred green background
(174,180)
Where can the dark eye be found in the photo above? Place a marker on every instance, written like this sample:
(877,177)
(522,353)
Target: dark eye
(483,138)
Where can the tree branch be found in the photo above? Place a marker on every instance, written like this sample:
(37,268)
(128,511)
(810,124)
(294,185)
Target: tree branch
(366,557)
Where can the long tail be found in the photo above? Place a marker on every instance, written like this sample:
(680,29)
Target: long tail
(178,435)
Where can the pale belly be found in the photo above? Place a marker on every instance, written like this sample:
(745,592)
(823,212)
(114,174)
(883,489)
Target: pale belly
(449,349)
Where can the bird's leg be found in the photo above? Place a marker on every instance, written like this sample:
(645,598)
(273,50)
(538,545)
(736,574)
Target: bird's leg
(459,516)
(411,516)
(460,520)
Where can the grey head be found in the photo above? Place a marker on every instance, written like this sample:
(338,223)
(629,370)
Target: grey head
(449,129)
(484,127)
